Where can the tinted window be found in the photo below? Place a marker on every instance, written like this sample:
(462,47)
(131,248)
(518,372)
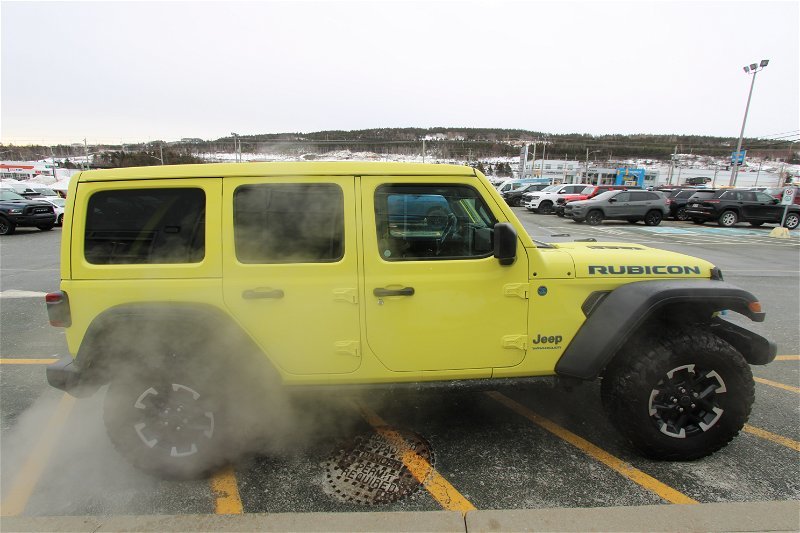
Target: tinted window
(642,196)
(289,223)
(145,226)
(417,222)
(623,197)
(684,194)
(704,195)
(761,197)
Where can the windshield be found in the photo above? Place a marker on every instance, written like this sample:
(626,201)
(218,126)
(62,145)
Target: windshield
(60,202)
(605,195)
(8,195)
(587,190)
(551,188)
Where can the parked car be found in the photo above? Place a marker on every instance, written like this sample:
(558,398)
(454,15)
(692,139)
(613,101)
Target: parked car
(58,204)
(777,192)
(16,211)
(514,196)
(633,206)
(545,201)
(731,206)
(589,192)
(677,199)
(526,197)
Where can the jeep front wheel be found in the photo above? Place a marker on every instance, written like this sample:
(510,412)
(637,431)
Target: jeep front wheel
(678,397)
(167,427)
(593,218)
(546,208)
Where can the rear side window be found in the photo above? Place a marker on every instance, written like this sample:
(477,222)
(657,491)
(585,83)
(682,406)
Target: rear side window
(289,223)
(136,226)
(704,195)
(642,196)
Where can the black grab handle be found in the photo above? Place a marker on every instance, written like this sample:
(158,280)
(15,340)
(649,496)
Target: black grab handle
(405,291)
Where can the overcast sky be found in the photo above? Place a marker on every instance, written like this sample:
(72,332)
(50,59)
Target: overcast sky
(126,72)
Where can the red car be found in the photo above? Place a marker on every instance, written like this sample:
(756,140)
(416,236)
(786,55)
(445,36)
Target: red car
(589,192)
(777,192)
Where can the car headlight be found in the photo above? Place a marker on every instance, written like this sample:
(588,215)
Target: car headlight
(16,211)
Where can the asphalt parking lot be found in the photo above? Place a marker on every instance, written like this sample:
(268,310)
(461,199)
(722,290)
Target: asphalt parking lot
(532,447)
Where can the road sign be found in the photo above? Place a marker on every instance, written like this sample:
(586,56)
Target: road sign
(788,195)
(738,159)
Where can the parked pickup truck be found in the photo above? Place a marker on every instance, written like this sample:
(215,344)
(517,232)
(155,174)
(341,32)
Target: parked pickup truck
(16,211)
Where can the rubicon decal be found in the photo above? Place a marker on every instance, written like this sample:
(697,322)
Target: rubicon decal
(637,269)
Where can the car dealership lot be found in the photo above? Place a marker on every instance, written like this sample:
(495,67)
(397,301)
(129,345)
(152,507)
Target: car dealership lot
(516,447)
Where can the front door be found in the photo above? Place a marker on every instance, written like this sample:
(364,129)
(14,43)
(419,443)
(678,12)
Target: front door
(435,297)
(291,269)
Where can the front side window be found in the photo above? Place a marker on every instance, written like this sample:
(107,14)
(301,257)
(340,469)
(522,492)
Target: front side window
(424,222)
(623,197)
(145,226)
(289,223)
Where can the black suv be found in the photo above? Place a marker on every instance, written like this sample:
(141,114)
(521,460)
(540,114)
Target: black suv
(15,211)
(514,196)
(730,206)
(677,200)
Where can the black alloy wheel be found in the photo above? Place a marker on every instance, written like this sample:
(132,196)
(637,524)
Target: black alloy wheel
(653,218)
(681,214)
(594,217)
(6,226)
(546,208)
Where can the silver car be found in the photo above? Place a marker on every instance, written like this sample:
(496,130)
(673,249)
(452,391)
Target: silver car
(633,206)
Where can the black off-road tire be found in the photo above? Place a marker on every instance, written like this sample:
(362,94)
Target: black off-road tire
(653,218)
(6,226)
(594,217)
(60,221)
(792,221)
(168,427)
(680,214)
(516,202)
(728,219)
(546,208)
(641,392)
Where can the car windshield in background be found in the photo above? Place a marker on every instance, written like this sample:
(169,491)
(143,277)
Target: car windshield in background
(551,188)
(587,190)
(8,195)
(683,194)
(60,202)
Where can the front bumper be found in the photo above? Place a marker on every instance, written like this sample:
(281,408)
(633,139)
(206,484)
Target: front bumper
(38,219)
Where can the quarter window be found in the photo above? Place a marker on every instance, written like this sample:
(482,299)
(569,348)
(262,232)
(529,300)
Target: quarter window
(289,223)
(417,222)
(145,226)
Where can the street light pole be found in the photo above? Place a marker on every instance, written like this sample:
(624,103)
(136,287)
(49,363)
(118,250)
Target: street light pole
(751,69)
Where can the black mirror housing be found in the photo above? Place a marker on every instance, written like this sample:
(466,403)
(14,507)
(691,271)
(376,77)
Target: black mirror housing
(505,243)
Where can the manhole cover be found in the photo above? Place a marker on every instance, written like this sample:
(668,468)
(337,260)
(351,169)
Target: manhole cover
(370,470)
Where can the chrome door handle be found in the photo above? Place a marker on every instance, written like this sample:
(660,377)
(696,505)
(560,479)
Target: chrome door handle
(255,294)
(405,291)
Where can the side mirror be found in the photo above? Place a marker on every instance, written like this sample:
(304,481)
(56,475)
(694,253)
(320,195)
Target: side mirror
(612,200)
(505,243)
(776,200)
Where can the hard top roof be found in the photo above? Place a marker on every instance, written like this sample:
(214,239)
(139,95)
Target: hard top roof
(336,168)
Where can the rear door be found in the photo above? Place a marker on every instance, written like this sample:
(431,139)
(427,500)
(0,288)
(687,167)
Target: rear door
(291,269)
(435,297)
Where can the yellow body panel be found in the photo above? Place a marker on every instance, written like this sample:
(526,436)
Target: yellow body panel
(468,318)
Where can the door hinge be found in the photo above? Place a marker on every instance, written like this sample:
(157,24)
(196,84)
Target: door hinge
(519,342)
(347,348)
(345,295)
(516,289)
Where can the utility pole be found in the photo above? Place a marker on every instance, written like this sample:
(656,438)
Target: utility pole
(533,161)
(714,181)
(86,152)
(161,149)
(672,165)
(758,173)
(544,150)
(423,149)
(750,69)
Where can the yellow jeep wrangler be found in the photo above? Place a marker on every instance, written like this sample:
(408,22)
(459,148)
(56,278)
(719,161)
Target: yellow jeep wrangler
(183,285)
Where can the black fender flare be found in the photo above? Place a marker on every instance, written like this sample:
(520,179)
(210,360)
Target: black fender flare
(122,327)
(615,316)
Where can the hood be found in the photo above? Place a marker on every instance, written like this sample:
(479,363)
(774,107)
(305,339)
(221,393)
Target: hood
(630,260)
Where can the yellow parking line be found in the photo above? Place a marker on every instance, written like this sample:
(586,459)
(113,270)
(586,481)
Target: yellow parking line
(226,492)
(632,473)
(778,385)
(28,476)
(788,358)
(20,361)
(764,434)
(438,487)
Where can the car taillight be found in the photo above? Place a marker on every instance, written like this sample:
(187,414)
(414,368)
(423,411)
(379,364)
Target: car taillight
(669,201)
(58,309)
(711,202)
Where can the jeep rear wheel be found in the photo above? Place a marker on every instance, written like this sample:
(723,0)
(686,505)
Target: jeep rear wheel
(728,219)
(594,218)
(6,226)
(792,221)
(167,427)
(681,214)
(653,218)
(679,397)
